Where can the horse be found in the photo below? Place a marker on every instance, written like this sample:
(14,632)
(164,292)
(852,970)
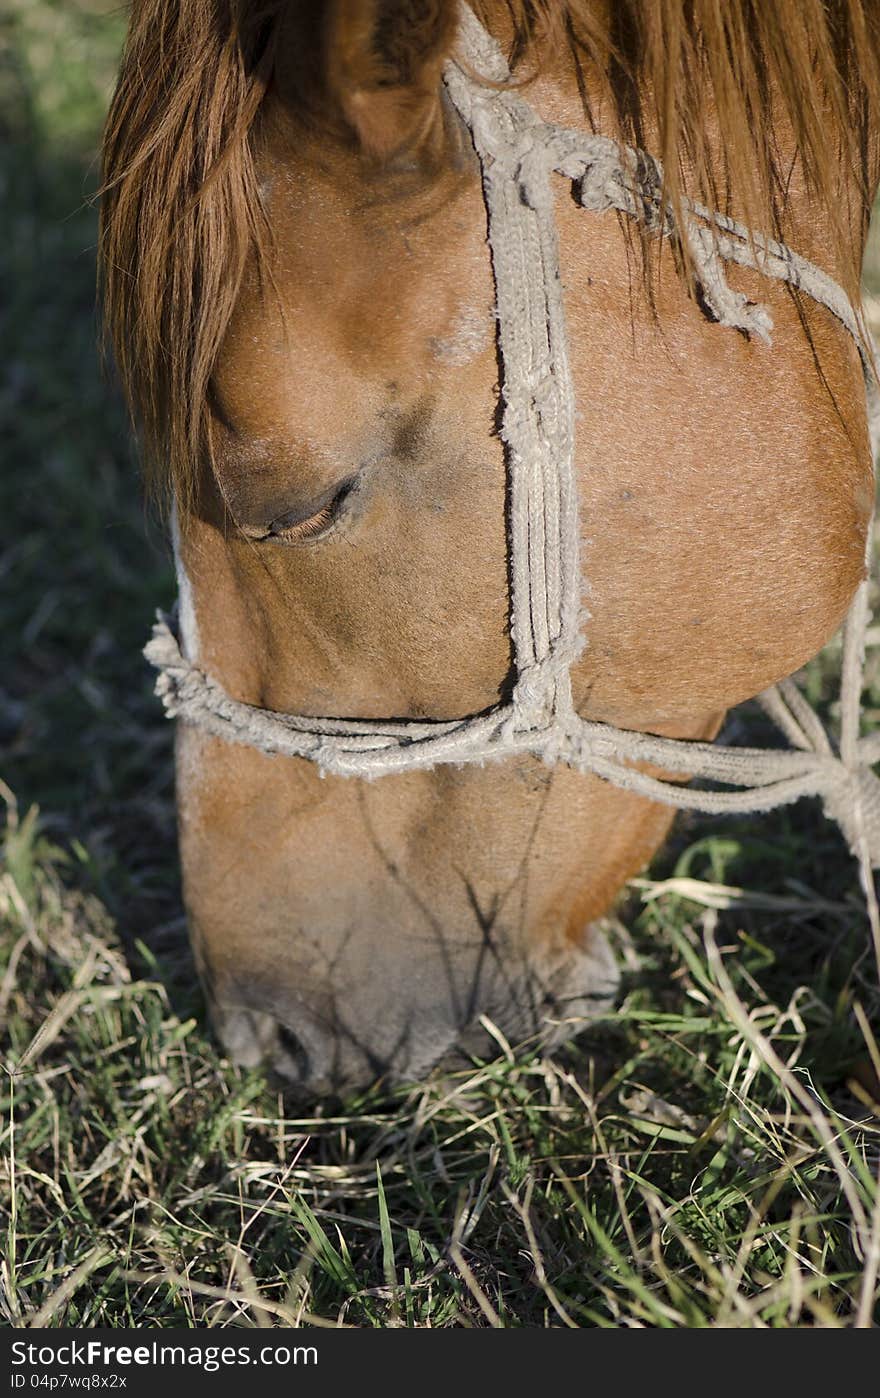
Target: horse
(299,293)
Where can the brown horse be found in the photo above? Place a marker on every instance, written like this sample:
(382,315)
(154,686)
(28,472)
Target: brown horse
(301,302)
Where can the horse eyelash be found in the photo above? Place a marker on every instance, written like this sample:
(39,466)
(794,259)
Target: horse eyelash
(307,528)
(303,530)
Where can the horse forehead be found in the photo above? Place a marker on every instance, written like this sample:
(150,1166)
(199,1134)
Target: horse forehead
(378,267)
(362,308)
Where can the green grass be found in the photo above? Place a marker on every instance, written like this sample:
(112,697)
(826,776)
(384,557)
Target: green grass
(706,1156)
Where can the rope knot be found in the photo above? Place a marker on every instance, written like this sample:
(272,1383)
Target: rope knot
(535,692)
(853,801)
(163,651)
(600,186)
(630,181)
(729,307)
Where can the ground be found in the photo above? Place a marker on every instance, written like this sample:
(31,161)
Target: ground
(708,1155)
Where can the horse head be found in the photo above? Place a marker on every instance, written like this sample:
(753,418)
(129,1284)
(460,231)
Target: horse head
(310,314)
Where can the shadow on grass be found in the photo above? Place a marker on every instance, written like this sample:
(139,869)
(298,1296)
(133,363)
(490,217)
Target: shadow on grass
(82,564)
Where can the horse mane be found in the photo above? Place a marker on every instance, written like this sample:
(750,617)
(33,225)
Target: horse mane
(181,209)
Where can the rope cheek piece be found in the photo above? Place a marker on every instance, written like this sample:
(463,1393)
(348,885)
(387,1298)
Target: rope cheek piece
(518,153)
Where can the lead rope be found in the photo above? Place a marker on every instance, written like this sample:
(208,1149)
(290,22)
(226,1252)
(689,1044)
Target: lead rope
(518,153)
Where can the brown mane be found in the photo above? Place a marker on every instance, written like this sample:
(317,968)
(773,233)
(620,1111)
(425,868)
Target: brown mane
(181,208)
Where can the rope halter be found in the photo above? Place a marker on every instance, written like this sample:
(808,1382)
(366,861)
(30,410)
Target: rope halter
(518,154)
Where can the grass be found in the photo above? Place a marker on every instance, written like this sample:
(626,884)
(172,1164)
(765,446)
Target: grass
(708,1156)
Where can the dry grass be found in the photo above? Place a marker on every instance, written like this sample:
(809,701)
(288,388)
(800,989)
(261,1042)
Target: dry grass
(708,1156)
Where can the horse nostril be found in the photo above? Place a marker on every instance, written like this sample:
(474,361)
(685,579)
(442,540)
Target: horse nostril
(292,1058)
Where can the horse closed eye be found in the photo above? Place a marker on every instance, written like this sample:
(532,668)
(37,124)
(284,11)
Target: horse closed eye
(300,530)
(296,528)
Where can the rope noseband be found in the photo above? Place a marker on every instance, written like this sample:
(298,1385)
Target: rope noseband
(518,153)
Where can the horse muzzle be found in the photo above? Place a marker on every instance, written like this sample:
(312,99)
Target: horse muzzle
(386,1033)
